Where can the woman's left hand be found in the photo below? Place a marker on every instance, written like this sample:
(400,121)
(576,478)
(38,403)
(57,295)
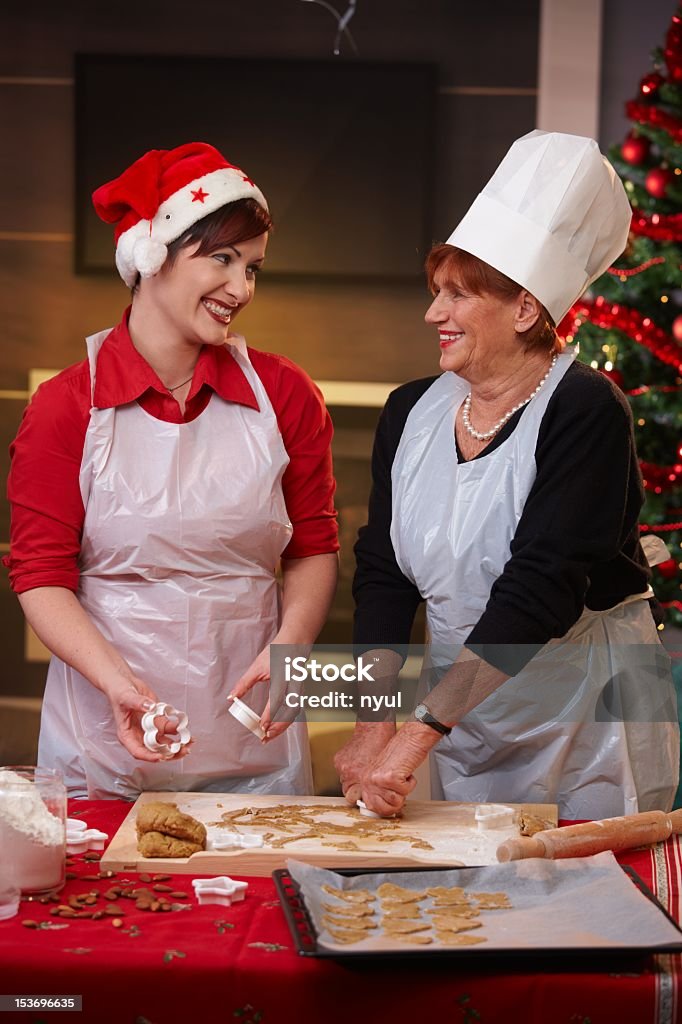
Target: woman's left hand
(259,672)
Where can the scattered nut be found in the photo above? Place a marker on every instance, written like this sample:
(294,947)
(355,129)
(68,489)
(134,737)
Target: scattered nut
(117,922)
(30,924)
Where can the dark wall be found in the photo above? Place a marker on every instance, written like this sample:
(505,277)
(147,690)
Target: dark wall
(486,56)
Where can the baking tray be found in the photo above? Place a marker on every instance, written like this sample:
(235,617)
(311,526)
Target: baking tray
(304,935)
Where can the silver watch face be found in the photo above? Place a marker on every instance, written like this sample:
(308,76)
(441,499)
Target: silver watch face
(421,711)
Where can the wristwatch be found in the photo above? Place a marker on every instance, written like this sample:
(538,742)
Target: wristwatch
(423,715)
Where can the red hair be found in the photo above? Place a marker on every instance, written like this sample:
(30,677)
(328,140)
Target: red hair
(480,278)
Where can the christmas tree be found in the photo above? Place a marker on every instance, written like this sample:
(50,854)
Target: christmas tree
(629,325)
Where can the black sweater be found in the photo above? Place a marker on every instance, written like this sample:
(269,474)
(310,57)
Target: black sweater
(576,544)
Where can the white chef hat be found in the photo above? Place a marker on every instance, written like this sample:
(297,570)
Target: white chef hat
(553,217)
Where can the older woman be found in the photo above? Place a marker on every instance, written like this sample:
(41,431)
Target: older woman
(506,495)
(155,487)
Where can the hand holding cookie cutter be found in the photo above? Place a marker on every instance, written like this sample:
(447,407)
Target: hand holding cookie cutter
(244,714)
(151,734)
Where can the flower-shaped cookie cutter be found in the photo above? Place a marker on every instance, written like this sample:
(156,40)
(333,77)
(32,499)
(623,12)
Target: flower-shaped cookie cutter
(235,840)
(243,713)
(85,839)
(151,734)
(222,889)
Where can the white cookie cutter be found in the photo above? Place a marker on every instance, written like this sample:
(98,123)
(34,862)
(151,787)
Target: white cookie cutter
(243,713)
(75,825)
(235,840)
(151,734)
(222,889)
(82,840)
(365,811)
(493,816)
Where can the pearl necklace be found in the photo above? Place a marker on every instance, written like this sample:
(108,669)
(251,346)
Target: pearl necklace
(466,409)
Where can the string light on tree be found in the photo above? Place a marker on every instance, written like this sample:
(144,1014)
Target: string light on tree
(650,84)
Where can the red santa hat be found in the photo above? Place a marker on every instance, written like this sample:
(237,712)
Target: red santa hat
(160,196)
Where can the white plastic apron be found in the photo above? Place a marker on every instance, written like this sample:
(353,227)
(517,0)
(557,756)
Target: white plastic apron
(551,733)
(184,526)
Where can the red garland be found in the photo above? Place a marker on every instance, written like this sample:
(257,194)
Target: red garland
(644,389)
(630,321)
(661,227)
(645,114)
(660,528)
(633,271)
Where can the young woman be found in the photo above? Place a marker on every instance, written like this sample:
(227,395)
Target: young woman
(155,487)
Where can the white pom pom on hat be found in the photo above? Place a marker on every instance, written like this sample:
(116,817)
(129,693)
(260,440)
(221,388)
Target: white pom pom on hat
(553,217)
(149,256)
(160,196)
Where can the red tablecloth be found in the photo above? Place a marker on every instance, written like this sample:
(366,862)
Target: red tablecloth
(236,964)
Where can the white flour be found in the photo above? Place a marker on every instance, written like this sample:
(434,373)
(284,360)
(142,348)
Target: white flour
(32,839)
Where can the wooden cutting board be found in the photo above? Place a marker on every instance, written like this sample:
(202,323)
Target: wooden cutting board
(449,828)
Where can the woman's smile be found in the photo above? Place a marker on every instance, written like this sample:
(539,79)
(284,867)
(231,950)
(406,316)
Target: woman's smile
(448,338)
(218,310)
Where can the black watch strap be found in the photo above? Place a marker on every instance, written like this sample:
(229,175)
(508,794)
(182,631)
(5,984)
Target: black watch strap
(423,715)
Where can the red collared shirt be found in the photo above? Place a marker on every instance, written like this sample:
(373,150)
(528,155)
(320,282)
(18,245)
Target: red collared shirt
(43,488)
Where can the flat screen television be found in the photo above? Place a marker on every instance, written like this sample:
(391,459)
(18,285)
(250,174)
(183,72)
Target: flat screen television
(343,150)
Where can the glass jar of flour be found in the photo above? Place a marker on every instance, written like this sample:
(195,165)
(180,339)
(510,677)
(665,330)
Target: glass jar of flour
(32,827)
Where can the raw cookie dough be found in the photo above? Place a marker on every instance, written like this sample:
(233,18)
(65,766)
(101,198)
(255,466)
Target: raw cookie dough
(170,831)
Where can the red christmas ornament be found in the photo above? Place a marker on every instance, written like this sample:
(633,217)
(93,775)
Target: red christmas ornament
(616,376)
(657,182)
(635,150)
(677,329)
(650,84)
(668,569)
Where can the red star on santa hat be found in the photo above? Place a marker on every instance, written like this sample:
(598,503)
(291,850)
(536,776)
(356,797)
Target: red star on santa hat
(246,178)
(199,195)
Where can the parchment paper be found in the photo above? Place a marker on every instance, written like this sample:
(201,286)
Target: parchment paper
(577,903)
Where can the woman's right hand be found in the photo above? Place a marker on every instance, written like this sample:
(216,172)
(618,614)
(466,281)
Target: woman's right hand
(129,703)
(355,758)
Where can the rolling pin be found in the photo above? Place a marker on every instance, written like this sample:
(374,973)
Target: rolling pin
(594,837)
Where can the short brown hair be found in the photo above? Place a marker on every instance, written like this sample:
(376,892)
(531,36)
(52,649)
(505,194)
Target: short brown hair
(480,278)
(234,222)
